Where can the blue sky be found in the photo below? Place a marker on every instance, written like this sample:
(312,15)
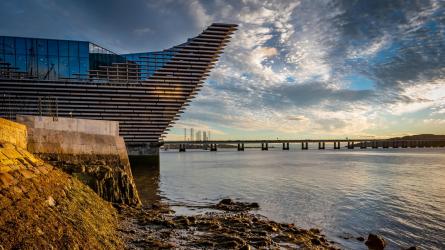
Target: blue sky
(294,69)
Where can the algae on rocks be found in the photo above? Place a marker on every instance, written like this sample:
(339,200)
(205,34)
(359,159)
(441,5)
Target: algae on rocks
(108,175)
(42,207)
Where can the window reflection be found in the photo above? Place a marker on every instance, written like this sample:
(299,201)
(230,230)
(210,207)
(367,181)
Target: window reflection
(50,59)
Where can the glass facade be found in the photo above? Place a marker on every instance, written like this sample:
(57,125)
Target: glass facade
(48,59)
(150,62)
(45,59)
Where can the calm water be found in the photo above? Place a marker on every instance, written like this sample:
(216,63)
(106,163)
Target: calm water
(398,193)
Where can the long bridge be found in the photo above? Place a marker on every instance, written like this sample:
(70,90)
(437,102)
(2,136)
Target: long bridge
(212,145)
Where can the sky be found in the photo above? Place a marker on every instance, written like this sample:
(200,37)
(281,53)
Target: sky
(293,70)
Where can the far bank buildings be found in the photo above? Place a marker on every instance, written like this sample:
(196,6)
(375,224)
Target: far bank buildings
(145,92)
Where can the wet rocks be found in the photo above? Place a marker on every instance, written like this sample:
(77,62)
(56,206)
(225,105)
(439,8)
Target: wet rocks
(213,230)
(233,206)
(375,242)
(360,238)
(107,175)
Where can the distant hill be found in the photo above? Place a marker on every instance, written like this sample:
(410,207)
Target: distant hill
(420,137)
(423,140)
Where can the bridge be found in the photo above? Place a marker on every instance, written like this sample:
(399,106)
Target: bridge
(212,145)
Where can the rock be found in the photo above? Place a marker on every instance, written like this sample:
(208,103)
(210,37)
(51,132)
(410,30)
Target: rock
(226,202)
(315,241)
(6,180)
(360,238)
(50,201)
(233,206)
(411,248)
(245,247)
(254,205)
(375,242)
(315,230)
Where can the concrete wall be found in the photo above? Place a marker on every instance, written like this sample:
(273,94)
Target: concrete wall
(13,133)
(73,136)
(89,150)
(97,127)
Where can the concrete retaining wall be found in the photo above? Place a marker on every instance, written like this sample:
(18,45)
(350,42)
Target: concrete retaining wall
(90,150)
(97,127)
(13,133)
(73,136)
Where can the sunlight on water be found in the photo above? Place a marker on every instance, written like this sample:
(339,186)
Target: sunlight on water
(398,193)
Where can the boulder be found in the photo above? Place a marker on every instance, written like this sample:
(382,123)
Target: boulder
(375,242)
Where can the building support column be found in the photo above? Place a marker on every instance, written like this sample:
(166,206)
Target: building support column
(181,147)
(240,146)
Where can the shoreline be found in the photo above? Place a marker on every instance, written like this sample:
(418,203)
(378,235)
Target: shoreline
(232,227)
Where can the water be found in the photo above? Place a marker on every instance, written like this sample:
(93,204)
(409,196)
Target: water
(398,193)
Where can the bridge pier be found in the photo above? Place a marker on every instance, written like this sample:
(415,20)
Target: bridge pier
(363,145)
(395,144)
(385,144)
(285,145)
(350,145)
(240,146)
(213,147)
(321,145)
(375,144)
(336,145)
(264,146)
(304,145)
(181,147)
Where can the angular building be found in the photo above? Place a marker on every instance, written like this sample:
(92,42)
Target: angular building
(145,92)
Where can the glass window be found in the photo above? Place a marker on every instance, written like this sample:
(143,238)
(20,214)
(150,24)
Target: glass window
(10,59)
(84,67)
(20,46)
(53,49)
(31,46)
(21,63)
(74,48)
(74,67)
(1,47)
(43,67)
(63,48)
(42,47)
(31,61)
(53,65)
(9,45)
(63,66)
(83,49)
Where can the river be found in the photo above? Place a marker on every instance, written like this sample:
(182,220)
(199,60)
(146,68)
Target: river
(397,193)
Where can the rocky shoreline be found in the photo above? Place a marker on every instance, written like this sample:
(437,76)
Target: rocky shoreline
(157,227)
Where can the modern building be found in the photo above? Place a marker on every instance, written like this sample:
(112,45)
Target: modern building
(146,92)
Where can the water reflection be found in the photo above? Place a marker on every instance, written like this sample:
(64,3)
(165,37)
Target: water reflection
(399,194)
(147,178)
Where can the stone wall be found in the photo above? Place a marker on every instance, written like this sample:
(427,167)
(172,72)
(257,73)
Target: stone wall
(13,133)
(90,150)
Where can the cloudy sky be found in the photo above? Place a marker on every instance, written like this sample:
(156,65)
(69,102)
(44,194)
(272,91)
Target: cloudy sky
(294,69)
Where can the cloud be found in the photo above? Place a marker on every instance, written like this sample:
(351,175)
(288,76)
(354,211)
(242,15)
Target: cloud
(289,66)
